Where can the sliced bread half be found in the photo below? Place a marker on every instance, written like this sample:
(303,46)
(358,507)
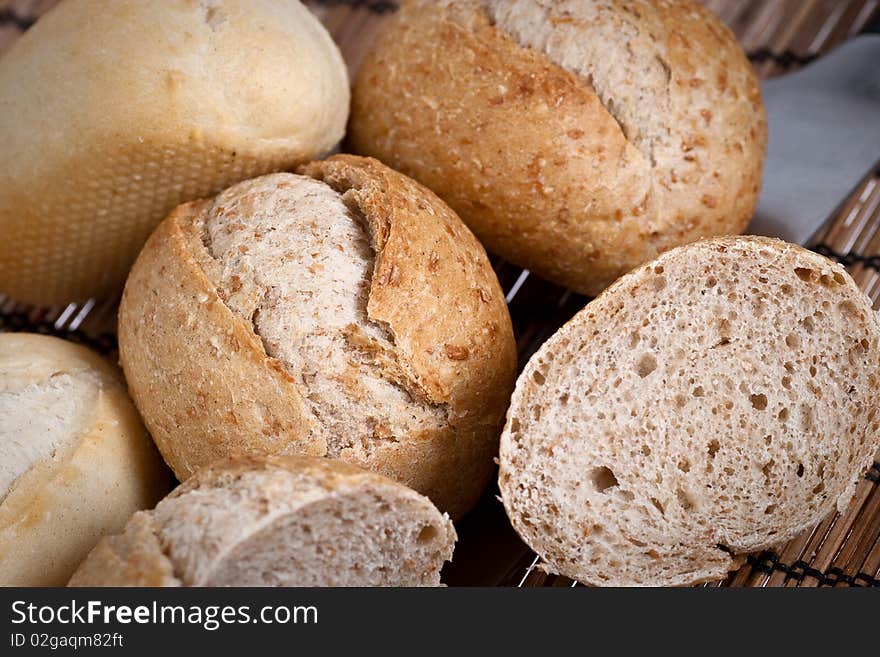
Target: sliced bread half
(278,521)
(716,401)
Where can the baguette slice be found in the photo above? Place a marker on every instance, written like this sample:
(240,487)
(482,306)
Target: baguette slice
(716,401)
(278,521)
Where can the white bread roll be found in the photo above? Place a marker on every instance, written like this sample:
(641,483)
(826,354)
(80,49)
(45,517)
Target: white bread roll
(717,401)
(75,460)
(344,312)
(113,112)
(278,521)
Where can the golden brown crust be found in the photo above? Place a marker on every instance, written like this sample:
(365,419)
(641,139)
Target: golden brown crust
(116,111)
(133,558)
(529,156)
(203,382)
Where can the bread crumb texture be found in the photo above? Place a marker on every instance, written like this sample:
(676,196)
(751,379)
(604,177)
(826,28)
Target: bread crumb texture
(343,311)
(716,401)
(576,138)
(279,521)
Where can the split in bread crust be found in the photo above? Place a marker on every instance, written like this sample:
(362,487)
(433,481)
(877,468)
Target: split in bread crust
(75,458)
(577,138)
(344,312)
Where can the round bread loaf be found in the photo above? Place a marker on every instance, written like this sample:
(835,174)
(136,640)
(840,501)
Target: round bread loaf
(75,460)
(577,138)
(343,312)
(717,401)
(116,111)
(278,521)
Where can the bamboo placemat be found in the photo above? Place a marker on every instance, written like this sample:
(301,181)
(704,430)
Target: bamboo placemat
(779,36)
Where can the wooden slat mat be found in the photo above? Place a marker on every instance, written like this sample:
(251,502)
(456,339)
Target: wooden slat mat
(780,36)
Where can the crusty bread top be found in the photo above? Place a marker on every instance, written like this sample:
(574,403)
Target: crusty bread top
(297,261)
(344,311)
(720,399)
(48,394)
(576,138)
(228,516)
(260,70)
(116,111)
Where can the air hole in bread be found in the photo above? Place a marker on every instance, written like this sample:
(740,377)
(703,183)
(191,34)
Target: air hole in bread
(427,534)
(563,398)
(759,402)
(684,465)
(808,324)
(786,289)
(634,340)
(804,273)
(538,378)
(770,509)
(849,310)
(658,506)
(659,283)
(711,282)
(786,382)
(646,364)
(800,470)
(685,501)
(792,341)
(603,479)
(514,425)
(698,391)
(713,448)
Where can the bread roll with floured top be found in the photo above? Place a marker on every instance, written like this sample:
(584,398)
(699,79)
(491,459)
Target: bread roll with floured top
(344,311)
(116,111)
(75,459)
(278,521)
(577,138)
(717,401)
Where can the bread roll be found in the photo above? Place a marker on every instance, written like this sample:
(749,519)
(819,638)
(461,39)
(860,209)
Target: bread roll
(116,111)
(75,460)
(719,400)
(576,138)
(278,521)
(342,312)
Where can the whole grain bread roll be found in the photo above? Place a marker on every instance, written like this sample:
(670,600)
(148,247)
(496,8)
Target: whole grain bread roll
(278,521)
(75,460)
(717,401)
(577,138)
(342,312)
(116,111)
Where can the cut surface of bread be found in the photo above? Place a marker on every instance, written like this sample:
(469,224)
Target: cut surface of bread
(716,401)
(577,138)
(278,521)
(344,311)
